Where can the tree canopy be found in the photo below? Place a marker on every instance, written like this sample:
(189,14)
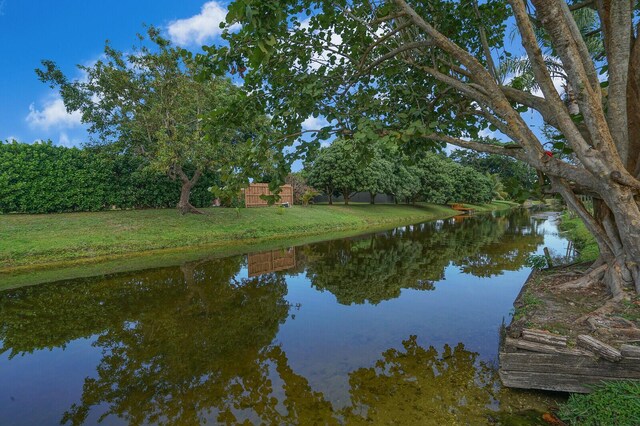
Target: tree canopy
(428,71)
(153,102)
(338,169)
(519,180)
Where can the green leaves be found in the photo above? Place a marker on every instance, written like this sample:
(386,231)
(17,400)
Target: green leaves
(161,102)
(43,178)
(385,170)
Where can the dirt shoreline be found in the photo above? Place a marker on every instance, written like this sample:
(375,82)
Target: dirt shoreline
(544,304)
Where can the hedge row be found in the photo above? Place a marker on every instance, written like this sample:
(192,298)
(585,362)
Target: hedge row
(43,178)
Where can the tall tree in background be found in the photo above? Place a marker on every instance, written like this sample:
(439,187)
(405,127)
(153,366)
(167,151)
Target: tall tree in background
(377,171)
(519,180)
(337,168)
(152,103)
(428,70)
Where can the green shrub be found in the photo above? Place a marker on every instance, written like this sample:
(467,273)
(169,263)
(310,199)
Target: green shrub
(43,178)
(611,403)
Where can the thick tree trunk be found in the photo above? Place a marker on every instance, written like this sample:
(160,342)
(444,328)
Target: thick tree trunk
(616,227)
(330,194)
(346,194)
(622,226)
(184,205)
(373,197)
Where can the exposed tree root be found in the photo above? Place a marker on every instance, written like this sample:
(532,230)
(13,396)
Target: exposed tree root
(587,280)
(188,208)
(596,264)
(606,309)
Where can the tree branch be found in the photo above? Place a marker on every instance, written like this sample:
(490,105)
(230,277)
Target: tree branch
(498,102)
(395,52)
(531,101)
(616,20)
(485,43)
(476,146)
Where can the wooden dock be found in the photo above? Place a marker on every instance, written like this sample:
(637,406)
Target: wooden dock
(549,346)
(531,364)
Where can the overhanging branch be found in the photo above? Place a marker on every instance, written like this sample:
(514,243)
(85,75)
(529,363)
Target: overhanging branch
(476,146)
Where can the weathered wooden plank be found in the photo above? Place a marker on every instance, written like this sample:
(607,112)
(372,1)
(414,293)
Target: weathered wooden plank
(550,381)
(545,337)
(570,364)
(541,348)
(599,348)
(630,351)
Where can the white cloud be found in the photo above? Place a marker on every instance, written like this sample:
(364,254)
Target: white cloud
(54,114)
(312,123)
(66,141)
(12,139)
(199,28)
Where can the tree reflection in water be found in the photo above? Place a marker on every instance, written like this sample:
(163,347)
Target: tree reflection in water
(377,267)
(196,343)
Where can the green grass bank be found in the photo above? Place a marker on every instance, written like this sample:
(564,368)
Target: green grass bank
(36,241)
(583,241)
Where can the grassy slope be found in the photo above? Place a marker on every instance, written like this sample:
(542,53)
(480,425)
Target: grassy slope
(34,239)
(44,248)
(34,248)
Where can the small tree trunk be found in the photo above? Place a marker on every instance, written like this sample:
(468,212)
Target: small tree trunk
(330,194)
(373,197)
(184,205)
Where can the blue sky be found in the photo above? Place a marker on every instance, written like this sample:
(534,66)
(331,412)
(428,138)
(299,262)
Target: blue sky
(72,32)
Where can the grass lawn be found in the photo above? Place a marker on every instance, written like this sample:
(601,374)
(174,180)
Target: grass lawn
(34,241)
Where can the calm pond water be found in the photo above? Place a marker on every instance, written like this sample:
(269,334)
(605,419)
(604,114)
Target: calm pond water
(397,327)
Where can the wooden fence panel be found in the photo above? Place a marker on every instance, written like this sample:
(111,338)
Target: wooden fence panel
(255,190)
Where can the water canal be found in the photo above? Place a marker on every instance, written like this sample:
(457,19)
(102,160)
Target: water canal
(397,327)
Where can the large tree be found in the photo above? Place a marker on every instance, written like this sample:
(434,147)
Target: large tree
(428,70)
(336,169)
(377,172)
(519,179)
(152,102)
